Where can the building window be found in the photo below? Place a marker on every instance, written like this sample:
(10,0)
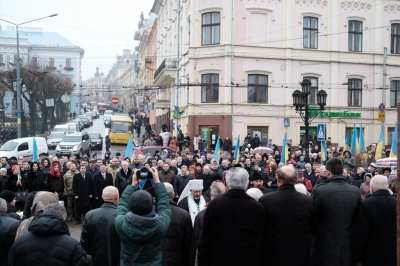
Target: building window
(312,99)
(210,25)
(209,88)
(395,39)
(51,62)
(354,92)
(310,32)
(261,132)
(355,36)
(68,62)
(257,89)
(394,92)
(34,61)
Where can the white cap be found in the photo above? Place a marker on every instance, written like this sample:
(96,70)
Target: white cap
(194,184)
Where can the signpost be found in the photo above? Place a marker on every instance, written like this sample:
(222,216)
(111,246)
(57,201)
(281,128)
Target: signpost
(286,122)
(321,132)
(115,100)
(381,113)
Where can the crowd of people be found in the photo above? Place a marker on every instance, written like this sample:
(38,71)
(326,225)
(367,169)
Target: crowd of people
(187,208)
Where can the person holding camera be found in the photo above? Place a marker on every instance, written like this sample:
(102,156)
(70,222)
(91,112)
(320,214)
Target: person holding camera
(138,225)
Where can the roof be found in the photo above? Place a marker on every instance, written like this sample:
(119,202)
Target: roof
(39,38)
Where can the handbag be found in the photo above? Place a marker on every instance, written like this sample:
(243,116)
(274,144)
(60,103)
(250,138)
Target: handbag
(21,196)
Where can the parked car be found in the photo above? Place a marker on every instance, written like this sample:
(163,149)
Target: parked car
(79,123)
(12,149)
(54,139)
(85,120)
(107,117)
(114,108)
(61,128)
(97,140)
(96,113)
(144,150)
(90,117)
(92,113)
(75,143)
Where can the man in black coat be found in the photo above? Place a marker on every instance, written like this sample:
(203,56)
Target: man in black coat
(232,226)
(374,234)
(181,180)
(123,177)
(48,242)
(100,181)
(177,241)
(335,205)
(82,190)
(99,237)
(289,216)
(7,235)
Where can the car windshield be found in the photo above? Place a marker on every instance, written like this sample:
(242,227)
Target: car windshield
(9,146)
(94,135)
(56,135)
(121,127)
(60,129)
(72,139)
(82,117)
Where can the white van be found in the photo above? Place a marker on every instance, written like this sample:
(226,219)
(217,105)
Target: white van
(62,128)
(12,149)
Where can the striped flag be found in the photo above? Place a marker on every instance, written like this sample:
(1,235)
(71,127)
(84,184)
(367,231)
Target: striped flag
(129,149)
(362,141)
(324,151)
(237,150)
(285,150)
(380,145)
(353,147)
(393,149)
(217,150)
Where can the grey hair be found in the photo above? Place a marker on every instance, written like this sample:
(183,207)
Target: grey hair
(379,182)
(217,189)
(3,205)
(237,178)
(183,167)
(56,209)
(109,192)
(3,170)
(255,193)
(169,188)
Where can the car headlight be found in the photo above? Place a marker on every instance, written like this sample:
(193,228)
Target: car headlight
(58,147)
(75,147)
(99,142)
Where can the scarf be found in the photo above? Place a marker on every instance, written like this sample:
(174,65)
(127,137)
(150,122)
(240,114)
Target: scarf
(53,173)
(195,208)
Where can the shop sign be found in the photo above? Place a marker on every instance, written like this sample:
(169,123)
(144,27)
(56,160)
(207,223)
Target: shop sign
(314,112)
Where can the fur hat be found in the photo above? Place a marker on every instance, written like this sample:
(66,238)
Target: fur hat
(257,176)
(141,202)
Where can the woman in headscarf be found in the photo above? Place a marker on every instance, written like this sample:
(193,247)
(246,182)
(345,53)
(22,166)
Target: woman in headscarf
(35,179)
(55,182)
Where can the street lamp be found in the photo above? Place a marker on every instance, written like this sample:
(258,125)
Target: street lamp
(19,71)
(300,101)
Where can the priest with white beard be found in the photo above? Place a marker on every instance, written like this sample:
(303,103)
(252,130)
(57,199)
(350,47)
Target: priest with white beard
(191,199)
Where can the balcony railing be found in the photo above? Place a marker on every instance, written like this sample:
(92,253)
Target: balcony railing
(168,63)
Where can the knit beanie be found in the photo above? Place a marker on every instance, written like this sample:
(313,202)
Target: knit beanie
(7,195)
(141,202)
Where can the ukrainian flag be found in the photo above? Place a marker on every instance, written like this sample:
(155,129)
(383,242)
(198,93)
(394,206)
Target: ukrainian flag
(237,150)
(362,141)
(129,149)
(285,150)
(393,149)
(380,145)
(354,142)
(346,143)
(35,151)
(324,151)
(217,150)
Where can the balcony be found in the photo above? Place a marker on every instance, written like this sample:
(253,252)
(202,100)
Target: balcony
(165,73)
(163,104)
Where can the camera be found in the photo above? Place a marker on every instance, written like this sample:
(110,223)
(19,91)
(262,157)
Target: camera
(144,173)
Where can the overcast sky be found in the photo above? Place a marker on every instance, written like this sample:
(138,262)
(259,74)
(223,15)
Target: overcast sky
(102,28)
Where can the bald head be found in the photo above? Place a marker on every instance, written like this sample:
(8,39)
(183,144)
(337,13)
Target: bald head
(110,194)
(286,175)
(378,182)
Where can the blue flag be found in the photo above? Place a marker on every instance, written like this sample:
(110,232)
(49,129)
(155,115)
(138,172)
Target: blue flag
(354,141)
(129,149)
(237,150)
(35,151)
(362,141)
(393,149)
(284,153)
(216,151)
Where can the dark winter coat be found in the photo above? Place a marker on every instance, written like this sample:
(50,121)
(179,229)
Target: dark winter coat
(55,184)
(223,242)
(6,237)
(177,241)
(83,189)
(287,236)
(99,237)
(168,176)
(48,243)
(227,145)
(34,181)
(256,142)
(374,234)
(335,205)
(180,183)
(137,231)
(122,180)
(11,183)
(99,183)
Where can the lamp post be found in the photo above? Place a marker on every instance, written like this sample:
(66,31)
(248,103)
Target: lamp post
(18,81)
(300,101)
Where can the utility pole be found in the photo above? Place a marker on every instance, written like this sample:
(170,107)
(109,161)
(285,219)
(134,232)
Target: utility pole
(384,75)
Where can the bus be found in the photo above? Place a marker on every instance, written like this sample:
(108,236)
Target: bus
(101,107)
(121,127)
